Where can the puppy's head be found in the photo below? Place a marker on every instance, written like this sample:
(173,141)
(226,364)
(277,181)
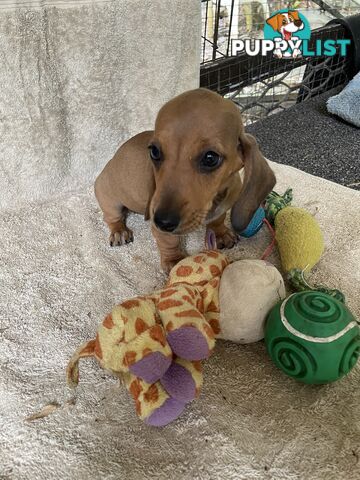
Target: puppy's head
(198,146)
(286,23)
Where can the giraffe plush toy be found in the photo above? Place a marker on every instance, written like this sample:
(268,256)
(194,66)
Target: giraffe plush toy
(156,343)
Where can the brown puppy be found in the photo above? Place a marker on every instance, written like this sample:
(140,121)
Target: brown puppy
(185,174)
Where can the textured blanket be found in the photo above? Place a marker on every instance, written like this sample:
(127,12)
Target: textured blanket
(78,78)
(346,104)
(59,277)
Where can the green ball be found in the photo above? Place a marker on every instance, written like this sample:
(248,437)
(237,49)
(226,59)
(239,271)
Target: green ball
(313,337)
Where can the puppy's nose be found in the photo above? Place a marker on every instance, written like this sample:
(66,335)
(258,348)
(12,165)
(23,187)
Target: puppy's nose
(298,23)
(166,221)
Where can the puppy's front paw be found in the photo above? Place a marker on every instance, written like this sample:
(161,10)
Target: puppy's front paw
(226,239)
(168,263)
(121,237)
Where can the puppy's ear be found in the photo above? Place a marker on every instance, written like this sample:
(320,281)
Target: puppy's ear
(294,14)
(147,208)
(273,22)
(258,182)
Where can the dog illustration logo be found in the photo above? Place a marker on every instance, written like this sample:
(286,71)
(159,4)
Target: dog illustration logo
(287,35)
(288,28)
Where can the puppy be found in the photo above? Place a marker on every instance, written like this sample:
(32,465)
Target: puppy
(286,24)
(185,174)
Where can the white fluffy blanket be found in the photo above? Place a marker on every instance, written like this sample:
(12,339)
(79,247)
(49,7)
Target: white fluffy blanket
(59,277)
(75,83)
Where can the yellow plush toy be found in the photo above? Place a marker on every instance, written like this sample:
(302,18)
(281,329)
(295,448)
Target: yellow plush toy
(299,239)
(155,342)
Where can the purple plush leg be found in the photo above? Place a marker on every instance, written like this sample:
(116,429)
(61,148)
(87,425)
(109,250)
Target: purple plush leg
(179,383)
(169,411)
(151,367)
(188,343)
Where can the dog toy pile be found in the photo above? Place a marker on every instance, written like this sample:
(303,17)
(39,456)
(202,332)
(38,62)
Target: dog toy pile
(156,342)
(311,336)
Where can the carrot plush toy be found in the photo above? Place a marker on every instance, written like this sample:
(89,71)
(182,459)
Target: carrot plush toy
(155,343)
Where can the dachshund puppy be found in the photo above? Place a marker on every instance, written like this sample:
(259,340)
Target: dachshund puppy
(185,174)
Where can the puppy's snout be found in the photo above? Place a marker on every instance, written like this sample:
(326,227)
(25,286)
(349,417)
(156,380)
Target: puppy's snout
(298,23)
(166,220)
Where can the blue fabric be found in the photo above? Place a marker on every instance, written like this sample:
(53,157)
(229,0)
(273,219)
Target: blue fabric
(347,103)
(255,223)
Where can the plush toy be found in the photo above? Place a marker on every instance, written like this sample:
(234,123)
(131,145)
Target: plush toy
(299,239)
(298,235)
(313,337)
(248,291)
(156,342)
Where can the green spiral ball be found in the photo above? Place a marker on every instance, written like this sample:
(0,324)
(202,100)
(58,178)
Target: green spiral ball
(313,337)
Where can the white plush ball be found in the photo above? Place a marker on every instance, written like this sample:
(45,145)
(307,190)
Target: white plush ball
(248,291)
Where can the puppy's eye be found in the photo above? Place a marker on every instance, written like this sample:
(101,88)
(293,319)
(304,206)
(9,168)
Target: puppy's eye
(284,22)
(155,153)
(210,161)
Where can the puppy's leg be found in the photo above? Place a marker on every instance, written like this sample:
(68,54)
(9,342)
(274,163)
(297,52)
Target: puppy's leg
(120,234)
(225,237)
(170,249)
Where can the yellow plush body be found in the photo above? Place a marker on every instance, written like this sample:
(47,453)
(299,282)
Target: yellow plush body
(155,342)
(299,238)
